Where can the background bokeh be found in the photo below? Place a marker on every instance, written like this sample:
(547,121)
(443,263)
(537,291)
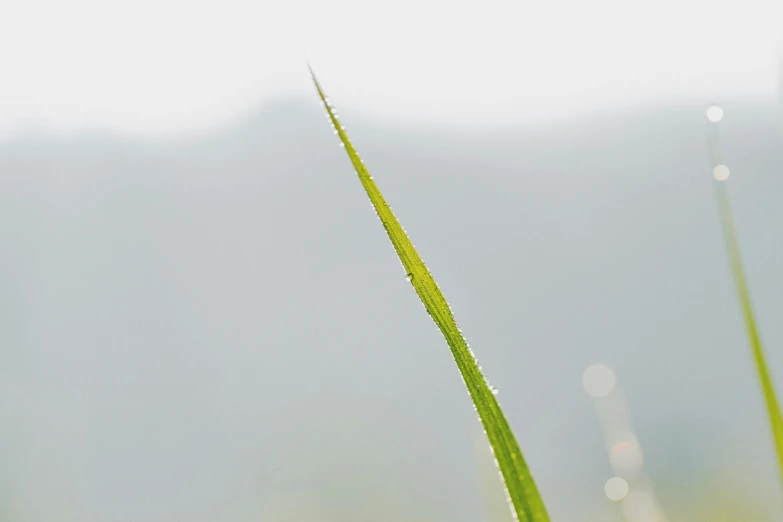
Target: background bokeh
(201,318)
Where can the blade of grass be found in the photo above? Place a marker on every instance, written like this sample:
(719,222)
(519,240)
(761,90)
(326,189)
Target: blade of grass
(762,370)
(525,500)
(495,503)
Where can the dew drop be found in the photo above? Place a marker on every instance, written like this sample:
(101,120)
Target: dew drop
(626,459)
(721,172)
(598,380)
(715,114)
(616,488)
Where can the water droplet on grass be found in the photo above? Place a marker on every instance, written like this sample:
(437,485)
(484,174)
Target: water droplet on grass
(616,488)
(715,114)
(721,172)
(598,380)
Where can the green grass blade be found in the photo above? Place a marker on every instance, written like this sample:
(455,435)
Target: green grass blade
(526,502)
(495,503)
(762,370)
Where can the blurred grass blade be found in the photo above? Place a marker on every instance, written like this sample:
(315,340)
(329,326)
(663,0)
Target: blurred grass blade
(523,494)
(765,379)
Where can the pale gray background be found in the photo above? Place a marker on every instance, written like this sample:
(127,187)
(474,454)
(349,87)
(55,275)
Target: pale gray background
(215,327)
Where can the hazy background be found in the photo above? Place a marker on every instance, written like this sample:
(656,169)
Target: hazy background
(202,320)
(163,66)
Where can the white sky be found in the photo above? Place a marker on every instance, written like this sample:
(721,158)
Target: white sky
(159,66)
